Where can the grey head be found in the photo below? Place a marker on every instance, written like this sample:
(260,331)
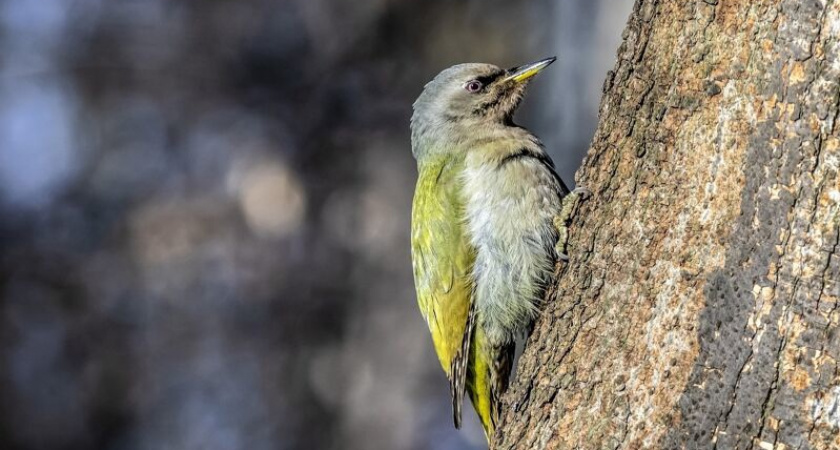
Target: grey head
(464,99)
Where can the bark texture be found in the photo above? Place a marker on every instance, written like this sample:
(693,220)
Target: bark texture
(700,305)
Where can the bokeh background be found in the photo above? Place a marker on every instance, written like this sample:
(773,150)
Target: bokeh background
(204,212)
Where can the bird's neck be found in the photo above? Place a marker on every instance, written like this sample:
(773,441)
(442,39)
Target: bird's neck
(434,136)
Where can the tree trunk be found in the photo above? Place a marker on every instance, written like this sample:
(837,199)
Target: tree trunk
(700,305)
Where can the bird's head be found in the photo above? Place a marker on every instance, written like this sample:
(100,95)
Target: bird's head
(465,97)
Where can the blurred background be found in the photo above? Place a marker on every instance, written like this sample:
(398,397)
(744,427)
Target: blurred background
(204,212)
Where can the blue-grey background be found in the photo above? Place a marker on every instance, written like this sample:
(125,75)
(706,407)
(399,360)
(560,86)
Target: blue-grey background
(204,212)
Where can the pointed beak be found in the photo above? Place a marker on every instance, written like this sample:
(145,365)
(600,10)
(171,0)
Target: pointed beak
(524,72)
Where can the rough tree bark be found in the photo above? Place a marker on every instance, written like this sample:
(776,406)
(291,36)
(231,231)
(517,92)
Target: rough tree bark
(700,305)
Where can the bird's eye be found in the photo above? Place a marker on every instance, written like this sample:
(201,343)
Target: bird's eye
(473,86)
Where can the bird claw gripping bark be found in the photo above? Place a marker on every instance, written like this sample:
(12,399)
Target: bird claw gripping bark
(561,221)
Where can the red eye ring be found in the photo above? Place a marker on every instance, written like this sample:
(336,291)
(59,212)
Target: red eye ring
(473,86)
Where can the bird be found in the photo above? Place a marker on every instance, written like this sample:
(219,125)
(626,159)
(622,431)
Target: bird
(488,225)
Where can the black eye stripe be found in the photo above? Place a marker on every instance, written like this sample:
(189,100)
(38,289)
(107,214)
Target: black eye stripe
(487,79)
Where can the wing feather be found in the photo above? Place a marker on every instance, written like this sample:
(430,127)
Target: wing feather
(443,259)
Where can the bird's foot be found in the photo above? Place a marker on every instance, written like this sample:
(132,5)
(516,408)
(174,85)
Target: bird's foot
(561,221)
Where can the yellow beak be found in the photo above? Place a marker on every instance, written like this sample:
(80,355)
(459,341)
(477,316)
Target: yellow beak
(524,72)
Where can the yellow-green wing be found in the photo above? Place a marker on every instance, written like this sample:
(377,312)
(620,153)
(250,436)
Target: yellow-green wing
(443,259)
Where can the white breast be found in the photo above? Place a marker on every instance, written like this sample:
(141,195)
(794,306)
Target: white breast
(509,213)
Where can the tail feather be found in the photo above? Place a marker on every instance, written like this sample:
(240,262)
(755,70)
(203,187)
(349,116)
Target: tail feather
(487,378)
(458,368)
(500,376)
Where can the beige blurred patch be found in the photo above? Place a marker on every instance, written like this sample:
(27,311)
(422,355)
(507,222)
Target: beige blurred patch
(272,199)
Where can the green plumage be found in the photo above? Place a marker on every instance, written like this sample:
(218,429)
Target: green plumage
(443,261)
(442,256)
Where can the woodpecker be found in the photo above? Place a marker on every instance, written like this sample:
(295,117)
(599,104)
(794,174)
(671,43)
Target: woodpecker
(488,223)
